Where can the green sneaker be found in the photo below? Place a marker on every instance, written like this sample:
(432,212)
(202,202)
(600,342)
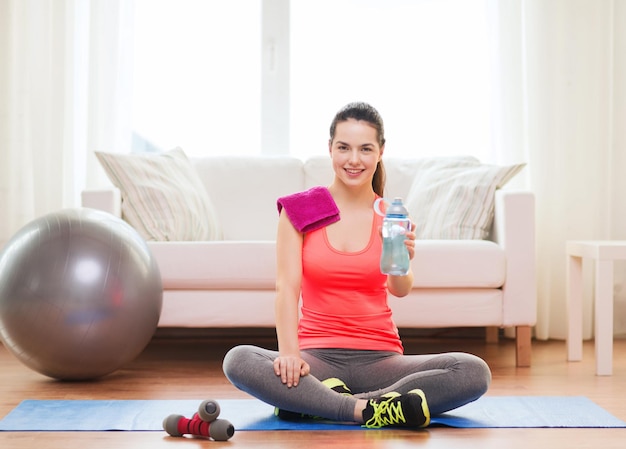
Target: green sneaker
(333,383)
(393,409)
(337,385)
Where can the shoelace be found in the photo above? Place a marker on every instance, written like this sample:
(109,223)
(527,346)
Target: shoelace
(386,413)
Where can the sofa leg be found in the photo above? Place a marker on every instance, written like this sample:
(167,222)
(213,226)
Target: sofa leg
(523,345)
(492,334)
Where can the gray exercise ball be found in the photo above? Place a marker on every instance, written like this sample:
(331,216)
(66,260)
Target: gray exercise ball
(80,294)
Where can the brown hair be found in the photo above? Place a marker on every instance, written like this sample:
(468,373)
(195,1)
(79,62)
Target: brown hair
(367,113)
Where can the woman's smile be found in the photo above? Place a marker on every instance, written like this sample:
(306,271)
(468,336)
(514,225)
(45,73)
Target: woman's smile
(353,171)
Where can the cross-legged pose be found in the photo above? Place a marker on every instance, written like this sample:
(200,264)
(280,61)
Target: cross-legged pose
(339,355)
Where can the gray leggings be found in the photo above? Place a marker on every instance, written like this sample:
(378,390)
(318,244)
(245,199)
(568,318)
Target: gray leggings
(448,380)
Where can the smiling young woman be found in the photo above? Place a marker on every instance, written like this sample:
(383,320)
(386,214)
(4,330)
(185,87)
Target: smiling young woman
(340,356)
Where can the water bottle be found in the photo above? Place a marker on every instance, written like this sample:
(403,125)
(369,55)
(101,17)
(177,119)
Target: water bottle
(395,256)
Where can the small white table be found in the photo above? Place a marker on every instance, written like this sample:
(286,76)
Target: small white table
(604,252)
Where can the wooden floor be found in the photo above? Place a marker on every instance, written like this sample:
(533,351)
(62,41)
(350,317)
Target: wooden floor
(189,368)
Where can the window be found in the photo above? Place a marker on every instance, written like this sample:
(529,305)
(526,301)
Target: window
(424,64)
(197,71)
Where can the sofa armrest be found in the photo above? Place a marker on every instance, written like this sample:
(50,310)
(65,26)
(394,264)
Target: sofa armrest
(514,230)
(109,200)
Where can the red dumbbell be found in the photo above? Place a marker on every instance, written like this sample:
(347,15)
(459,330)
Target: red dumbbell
(208,410)
(203,423)
(218,429)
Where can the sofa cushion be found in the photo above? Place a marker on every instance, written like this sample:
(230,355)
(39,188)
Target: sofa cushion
(458,264)
(401,172)
(454,198)
(318,171)
(244,191)
(216,265)
(162,196)
(252,264)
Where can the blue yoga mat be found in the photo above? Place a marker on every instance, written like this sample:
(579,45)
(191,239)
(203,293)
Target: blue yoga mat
(251,414)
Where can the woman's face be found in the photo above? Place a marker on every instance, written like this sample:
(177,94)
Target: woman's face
(355,152)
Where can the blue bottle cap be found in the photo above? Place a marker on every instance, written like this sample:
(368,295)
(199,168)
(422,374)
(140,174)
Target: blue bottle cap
(397,209)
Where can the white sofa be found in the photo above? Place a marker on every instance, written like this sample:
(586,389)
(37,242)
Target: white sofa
(230,283)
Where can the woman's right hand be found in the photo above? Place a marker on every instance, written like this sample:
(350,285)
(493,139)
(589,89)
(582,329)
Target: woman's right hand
(290,369)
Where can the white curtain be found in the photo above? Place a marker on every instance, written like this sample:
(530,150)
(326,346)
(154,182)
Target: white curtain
(65,84)
(561,107)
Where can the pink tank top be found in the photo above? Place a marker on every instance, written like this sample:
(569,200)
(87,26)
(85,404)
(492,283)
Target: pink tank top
(344,296)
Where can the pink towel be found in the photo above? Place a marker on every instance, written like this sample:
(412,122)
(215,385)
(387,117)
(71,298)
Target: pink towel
(310,210)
